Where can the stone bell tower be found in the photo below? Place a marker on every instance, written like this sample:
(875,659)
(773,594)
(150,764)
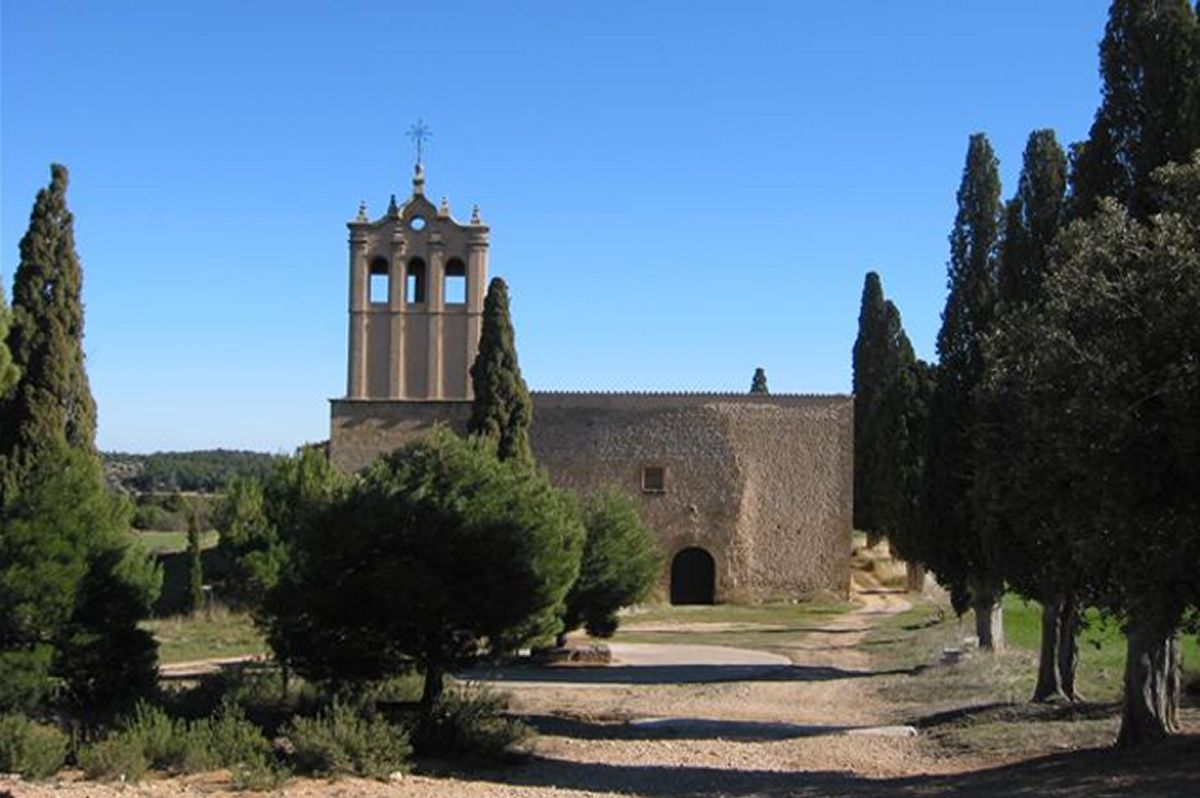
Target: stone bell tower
(417,280)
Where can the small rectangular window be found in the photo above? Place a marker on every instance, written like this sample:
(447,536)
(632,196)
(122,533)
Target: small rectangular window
(653,480)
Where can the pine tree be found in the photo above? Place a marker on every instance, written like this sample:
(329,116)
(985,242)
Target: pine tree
(869,368)
(1150,110)
(956,553)
(502,409)
(8,369)
(195,565)
(759,382)
(52,403)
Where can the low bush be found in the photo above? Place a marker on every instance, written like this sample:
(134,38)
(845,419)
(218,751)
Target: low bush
(151,739)
(344,741)
(34,750)
(118,756)
(232,739)
(471,722)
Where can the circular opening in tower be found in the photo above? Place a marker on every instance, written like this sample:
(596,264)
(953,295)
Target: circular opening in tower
(693,577)
(417,223)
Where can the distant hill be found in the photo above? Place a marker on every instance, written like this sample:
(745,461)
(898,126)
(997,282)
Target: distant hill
(190,472)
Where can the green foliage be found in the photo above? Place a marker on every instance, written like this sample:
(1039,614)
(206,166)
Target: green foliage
(502,409)
(207,471)
(869,375)
(345,741)
(1103,374)
(149,738)
(118,756)
(471,722)
(73,590)
(8,369)
(34,750)
(447,552)
(1033,218)
(258,519)
(621,564)
(1150,111)
(195,568)
(890,411)
(954,552)
(758,384)
(51,406)
(1027,547)
(1100,374)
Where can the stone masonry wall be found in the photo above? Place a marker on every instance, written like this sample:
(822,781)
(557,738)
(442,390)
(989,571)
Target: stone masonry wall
(763,483)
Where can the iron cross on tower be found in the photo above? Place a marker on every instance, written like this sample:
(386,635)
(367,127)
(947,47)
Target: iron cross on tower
(420,133)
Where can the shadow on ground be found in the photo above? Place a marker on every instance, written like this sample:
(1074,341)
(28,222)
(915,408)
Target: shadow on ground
(667,674)
(1169,769)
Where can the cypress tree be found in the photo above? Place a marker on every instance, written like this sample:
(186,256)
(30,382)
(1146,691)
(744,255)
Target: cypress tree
(1032,219)
(956,552)
(1025,547)
(759,383)
(195,565)
(78,587)
(8,369)
(868,364)
(52,404)
(502,409)
(1149,113)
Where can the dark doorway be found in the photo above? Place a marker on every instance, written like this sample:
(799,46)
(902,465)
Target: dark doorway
(693,575)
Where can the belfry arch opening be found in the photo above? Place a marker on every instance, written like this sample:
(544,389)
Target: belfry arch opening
(414,287)
(454,289)
(379,282)
(693,577)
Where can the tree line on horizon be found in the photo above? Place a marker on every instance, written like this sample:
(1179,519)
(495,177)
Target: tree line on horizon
(1052,447)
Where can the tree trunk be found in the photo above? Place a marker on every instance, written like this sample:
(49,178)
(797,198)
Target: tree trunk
(1070,623)
(1048,687)
(914,574)
(1150,710)
(435,679)
(989,616)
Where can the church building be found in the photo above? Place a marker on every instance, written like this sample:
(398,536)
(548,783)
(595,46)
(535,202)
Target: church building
(750,494)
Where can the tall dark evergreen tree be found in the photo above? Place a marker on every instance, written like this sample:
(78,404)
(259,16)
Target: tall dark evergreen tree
(1028,550)
(52,404)
(1021,543)
(195,601)
(1104,368)
(956,553)
(1150,111)
(502,409)
(870,353)
(759,382)
(8,369)
(1033,218)
(898,420)
(73,588)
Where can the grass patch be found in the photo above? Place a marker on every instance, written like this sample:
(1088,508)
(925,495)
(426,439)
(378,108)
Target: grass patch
(215,634)
(782,625)
(968,702)
(1101,647)
(173,542)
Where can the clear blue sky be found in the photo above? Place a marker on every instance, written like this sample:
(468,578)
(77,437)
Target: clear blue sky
(678,191)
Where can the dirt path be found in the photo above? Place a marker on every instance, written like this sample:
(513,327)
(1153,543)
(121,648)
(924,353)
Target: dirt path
(687,720)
